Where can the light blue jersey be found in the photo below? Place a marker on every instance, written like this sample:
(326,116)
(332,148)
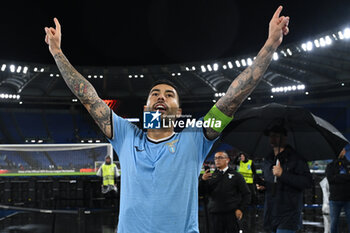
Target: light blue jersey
(159,181)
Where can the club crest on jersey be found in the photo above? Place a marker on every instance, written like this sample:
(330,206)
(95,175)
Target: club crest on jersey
(230,175)
(171,146)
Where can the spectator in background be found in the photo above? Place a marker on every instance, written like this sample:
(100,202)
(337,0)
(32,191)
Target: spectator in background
(109,172)
(338,175)
(228,195)
(247,169)
(286,175)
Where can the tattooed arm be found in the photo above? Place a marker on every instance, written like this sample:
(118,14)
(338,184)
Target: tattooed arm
(80,87)
(245,83)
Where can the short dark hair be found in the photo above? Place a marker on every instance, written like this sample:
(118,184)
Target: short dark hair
(167,82)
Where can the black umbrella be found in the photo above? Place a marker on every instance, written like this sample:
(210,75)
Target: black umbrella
(313,137)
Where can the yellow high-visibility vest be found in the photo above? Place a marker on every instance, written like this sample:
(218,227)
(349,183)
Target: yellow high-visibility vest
(246,171)
(108,174)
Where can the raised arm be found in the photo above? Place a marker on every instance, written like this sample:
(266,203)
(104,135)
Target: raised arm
(245,83)
(80,87)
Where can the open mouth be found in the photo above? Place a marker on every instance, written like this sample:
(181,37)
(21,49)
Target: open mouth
(160,107)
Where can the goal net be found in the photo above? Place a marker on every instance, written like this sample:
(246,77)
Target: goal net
(52,159)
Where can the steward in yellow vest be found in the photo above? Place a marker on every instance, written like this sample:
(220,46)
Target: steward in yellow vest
(108,171)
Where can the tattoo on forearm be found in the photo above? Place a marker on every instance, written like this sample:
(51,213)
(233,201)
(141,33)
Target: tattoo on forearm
(86,93)
(245,83)
(80,87)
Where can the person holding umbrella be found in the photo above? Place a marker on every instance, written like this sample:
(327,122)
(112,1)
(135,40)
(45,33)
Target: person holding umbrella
(338,175)
(286,175)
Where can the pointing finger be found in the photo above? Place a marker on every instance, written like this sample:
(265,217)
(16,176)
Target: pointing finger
(277,12)
(58,25)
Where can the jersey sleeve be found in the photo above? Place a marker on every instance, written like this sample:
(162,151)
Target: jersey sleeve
(122,130)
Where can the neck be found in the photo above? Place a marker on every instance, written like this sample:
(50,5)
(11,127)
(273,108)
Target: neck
(157,134)
(277,150)
(222,168)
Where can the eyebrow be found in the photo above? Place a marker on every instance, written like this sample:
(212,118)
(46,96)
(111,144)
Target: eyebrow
(153,90)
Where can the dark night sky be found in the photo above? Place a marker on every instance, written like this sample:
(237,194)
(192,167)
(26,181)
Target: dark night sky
(156,32)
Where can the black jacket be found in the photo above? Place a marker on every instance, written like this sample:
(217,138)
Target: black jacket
(339,180)
(284,199)
(227,192)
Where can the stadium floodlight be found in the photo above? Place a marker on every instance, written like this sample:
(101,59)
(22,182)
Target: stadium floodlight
(309,46)
(35,69)
(20,102)
(173,74)
(89,76)
(203,68)
(214,101)
(289,52)
(141,76)
(317,43)
(342,84)
(224,67)
(322,42)
(95,76)
(12,68)
(238,64)
(243,62)
(229,63)
(215,66)
(273,90)
(57,75)
(328,40)
(130,76)
(249,98)
(42,70)
(275,56)
(187,69)
(216,95)
(271,96)
(209,68)
(6,96)
(18,96)
(346,33)
(101,76)
(136,76)
(340,35)
(249,61)
(294,88)
(306,93)
(178,74)
(193,68)
(3,67)
(25,70)
(283,53)
(303,46)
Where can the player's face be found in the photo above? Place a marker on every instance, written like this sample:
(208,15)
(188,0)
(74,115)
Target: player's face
(163,98)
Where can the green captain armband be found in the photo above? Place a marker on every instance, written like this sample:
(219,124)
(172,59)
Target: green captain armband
(215,115)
